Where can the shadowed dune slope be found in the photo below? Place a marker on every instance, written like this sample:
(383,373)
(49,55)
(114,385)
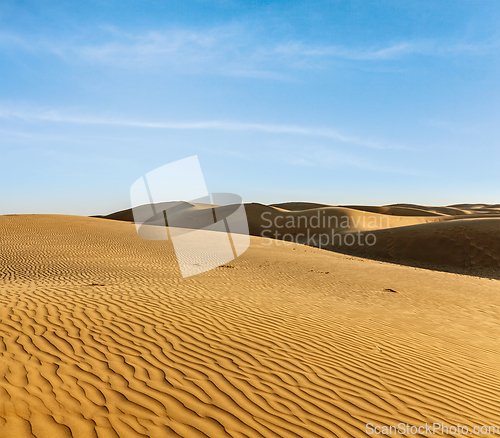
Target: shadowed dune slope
(378,217)
(404,210)
(467,247)
(270,221)
(464,245)
(432,237)
(479,208)
(101,337)
(281,220)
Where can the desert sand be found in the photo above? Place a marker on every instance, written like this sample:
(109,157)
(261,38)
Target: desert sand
(101,337)
(461,238)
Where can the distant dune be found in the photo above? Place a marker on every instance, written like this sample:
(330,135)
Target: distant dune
(101,337)
(462,245)
(431,237)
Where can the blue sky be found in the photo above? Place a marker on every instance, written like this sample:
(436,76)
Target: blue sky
(341,102)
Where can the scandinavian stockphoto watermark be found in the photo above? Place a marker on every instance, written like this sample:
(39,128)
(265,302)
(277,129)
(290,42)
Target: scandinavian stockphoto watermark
(320,229)
(172,202)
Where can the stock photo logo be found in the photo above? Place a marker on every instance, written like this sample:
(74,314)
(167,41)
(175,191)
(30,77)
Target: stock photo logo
(172,202)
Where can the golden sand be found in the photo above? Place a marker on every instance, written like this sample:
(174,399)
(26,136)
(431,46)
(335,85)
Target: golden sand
(101,337)
(462,238)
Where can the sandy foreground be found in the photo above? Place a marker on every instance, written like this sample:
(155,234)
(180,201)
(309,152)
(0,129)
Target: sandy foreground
(101,337)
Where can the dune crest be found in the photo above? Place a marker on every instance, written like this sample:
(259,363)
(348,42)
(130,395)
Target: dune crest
(415,235)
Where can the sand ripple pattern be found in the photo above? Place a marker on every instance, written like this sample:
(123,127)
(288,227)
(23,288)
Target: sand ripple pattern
(101,337)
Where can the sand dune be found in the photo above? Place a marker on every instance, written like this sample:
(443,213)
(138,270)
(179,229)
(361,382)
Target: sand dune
(322,220)
(298,206)
(462,245)
(302,215)
(101,337)
(421,210)
(415,238)
(407,210)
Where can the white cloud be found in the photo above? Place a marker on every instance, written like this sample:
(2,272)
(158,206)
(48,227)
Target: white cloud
(231,50)
(356,54)
(328,133)
(389,52)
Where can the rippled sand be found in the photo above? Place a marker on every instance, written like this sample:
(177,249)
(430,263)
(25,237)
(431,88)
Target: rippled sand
(101,337)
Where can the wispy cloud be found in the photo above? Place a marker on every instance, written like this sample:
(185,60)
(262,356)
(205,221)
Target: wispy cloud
(357,54)
(320,156)
(389,52)
(231,50)
(328,133)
